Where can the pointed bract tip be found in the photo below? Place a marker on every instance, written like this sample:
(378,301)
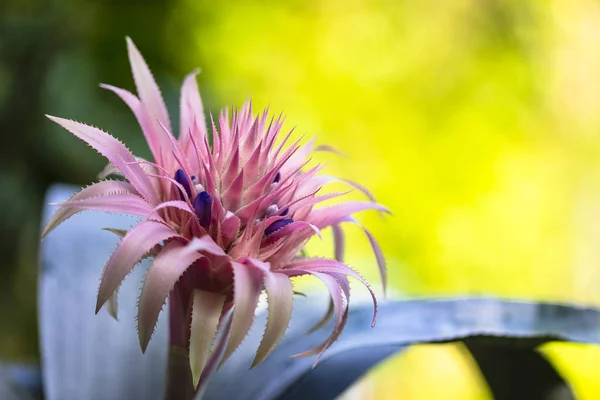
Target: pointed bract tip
(143,342)
(131,47)
(45,231)
(101,299)
(61,121)
(254,363)
(384,209)
(119,232)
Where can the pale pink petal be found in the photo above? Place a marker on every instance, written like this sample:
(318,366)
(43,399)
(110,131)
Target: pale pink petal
(249,244)
(148,167)
(297,202)
(266,251)
(380,259)
(295,177)
(206,311)
(258,206)
(118,203)
(289,229)
(317,181)
(232,197)
(339,240)
(340,310)
(196,153)
(335,292)
(298,158)
(265,182)
(361,188)
(115,152)
(218,156)
(112,305)
(326,216)
(343,284)
(330,149)
(335,334)
(182,205)
(328,267)
(206,244)
(216,356)
(291,247)
(229,229)
(332,280)
(157,142)
(252,167)
(280,296)
(314,182)
(246,290)
(167,268)
(284,160)
(191,110)
(96,190)
(110,169)
(310,201)
(133,247)
(249,143)
(224,132)
(233,168)
(210,174)
(147,88)
(272,133)
(282,143)
(176,150)
(177,184)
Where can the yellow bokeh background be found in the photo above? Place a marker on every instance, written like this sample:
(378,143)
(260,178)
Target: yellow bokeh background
(475,122)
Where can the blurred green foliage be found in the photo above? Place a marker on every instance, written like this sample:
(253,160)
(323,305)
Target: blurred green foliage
(475,121)
(52,55)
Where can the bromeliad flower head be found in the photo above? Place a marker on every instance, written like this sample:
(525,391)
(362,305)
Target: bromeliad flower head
(223,222)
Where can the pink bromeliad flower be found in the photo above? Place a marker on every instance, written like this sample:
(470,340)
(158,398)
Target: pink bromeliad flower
(223,221)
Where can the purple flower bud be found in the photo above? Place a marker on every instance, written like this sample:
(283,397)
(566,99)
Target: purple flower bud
(277,177)
(183,180)
(275,226)
(284,212)
(203,209)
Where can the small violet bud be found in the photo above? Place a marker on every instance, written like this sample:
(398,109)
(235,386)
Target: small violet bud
(277,177)
(203,209)
(183,180)
(284,212)
(275,226)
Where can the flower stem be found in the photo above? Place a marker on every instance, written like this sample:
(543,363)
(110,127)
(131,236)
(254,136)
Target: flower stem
(179,384)
(179,376)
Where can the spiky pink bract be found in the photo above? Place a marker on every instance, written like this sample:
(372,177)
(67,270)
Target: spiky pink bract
(223,222)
